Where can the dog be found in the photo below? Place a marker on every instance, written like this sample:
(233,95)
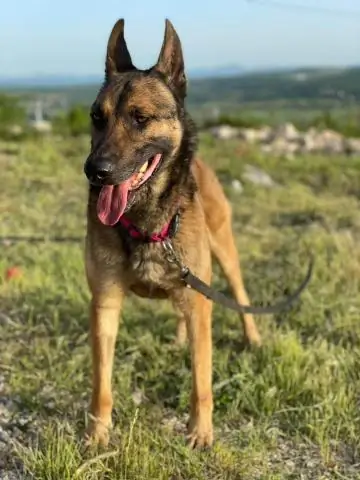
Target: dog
(143,173)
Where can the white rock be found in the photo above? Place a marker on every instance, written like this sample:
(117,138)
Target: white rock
(352,145)
(224,132)
(257,176)
(250,135)
(237,185)
(288,132)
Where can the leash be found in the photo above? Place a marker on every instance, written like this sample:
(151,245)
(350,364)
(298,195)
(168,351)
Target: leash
(192,281)
(9,240)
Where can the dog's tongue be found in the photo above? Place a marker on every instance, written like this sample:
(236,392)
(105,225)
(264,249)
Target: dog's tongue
(112,202)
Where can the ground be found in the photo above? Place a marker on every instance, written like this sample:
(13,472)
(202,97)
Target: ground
(289,410)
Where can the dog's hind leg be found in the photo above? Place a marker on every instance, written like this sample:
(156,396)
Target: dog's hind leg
(218,219)
(224,249)
(181,331)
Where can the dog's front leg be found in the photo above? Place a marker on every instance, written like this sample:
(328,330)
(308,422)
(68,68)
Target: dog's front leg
(104,317)
(197,311)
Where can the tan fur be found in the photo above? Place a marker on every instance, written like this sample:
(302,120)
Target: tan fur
(206,229)
(144,91)
(112,274)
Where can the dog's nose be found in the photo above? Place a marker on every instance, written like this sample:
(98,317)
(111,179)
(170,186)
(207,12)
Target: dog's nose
(98,170)
(103,170)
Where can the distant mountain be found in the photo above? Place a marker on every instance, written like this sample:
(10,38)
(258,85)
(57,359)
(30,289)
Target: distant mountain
(338,84)
(202,73)
(216,72)
(74,80)
(49,81)
(215,86)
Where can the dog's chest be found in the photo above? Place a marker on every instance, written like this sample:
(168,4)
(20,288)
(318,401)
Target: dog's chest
(148,272)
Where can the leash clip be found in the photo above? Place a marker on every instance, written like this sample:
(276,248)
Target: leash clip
(172,257)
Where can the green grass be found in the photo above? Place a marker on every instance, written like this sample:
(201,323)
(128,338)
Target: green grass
(287,411)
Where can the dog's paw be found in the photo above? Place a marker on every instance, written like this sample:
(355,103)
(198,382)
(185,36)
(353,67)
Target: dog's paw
(253,338)
(97,434)
(180,342)
(200,437)
(255,341)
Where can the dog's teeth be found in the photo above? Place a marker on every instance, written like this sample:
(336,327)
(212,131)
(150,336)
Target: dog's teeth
(144,167)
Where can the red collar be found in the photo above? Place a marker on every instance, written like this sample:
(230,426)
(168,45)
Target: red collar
(168,231)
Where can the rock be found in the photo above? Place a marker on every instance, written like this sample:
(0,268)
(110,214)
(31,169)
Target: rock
(137,397)
(265,134)
(287,132)
(252,135)
(224,132)
(41,126)
(15,130)
(4,436)
(287,141)
(308,143)
(352,145)
(332,142)
(326,141)
(9,476)
(281,147)
(249,135)
(257,176)
(8,433)
(237,185)
(174,423)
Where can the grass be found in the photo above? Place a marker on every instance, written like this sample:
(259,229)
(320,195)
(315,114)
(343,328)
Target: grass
(287,411)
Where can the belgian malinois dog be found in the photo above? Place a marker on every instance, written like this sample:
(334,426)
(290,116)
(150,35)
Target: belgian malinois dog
(143,172)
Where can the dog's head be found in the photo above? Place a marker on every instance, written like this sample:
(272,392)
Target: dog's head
(137,123)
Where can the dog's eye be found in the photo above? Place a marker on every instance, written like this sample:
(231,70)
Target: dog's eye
(139,118)
(98,119)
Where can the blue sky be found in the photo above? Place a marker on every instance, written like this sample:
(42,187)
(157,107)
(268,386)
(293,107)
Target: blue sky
(69,36)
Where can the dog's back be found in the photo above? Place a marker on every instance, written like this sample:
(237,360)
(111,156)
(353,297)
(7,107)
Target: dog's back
(215,204)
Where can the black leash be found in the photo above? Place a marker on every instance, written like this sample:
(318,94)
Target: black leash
(192,281)
(9,240)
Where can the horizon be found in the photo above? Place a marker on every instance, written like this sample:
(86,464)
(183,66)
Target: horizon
(279,38)
(197,74)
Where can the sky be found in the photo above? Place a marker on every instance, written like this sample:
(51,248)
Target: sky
(68,37)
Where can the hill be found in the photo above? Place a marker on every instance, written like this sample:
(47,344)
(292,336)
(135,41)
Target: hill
(269,86)
(339,85)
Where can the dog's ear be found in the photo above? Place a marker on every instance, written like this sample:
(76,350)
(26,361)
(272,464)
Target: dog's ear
(118,58)
(171,62)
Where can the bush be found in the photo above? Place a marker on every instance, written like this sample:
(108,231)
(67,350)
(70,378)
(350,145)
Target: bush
(75,122)
(11,113)
(349,127)
(233,121)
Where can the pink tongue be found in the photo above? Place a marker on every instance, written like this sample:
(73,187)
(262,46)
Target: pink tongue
(112,202)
